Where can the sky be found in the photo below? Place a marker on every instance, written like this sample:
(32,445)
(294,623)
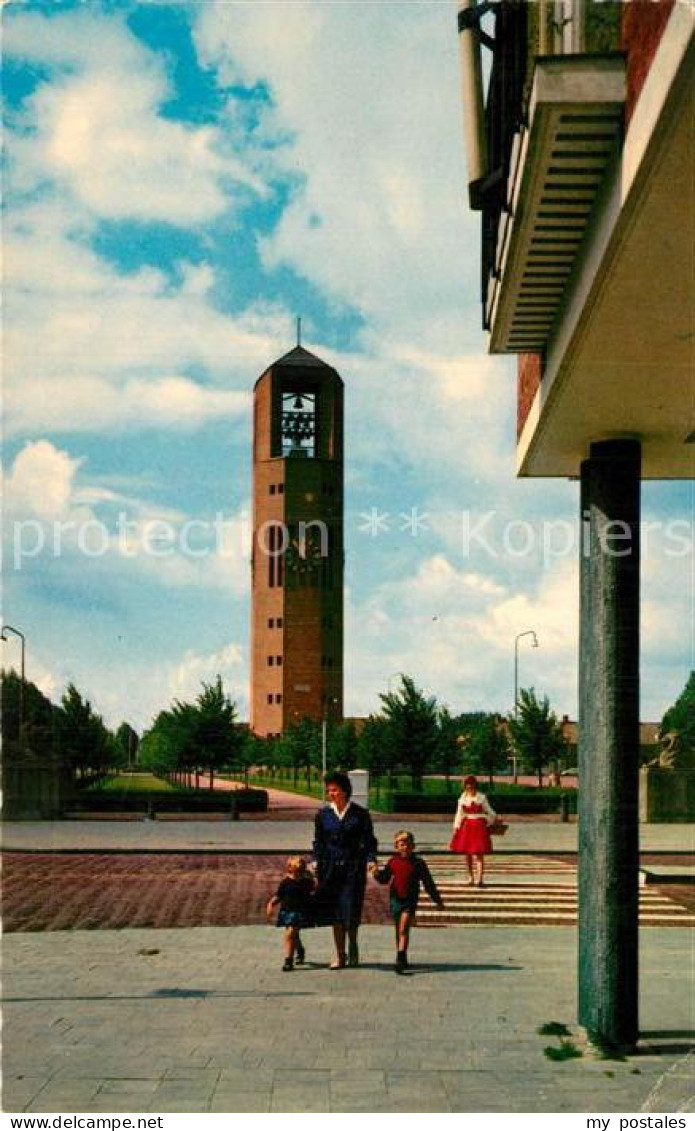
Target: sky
(182,181)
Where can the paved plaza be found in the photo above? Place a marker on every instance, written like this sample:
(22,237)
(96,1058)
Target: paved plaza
(202,1019)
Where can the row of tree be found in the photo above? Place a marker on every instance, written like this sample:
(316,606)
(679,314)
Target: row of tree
(193,738)
(70,732)
(412,733)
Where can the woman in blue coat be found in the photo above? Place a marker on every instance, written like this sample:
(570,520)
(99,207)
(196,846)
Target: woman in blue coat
(344,844)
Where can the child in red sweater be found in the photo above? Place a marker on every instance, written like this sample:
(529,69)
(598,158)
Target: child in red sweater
(405,872)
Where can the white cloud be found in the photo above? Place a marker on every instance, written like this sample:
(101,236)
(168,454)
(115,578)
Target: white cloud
(551,609)
(41,481)
(87,346)
(374,222)
(99,133)
(446,417)
(186,676)
(45,679)
(131,688)
(454,630)
(111,540)
(173,402)
(106,350)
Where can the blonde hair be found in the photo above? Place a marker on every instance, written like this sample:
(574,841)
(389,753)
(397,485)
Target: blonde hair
(404,834)
(295,864)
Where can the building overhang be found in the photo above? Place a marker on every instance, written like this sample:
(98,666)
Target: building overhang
(557,170)
(620,361)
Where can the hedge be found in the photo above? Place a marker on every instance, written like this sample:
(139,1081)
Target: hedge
(172,801)
(506,801)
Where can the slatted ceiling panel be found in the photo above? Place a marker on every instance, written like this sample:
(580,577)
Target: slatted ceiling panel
(561,163)
(552,220)
(590,151)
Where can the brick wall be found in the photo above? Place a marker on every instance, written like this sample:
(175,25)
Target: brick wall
(529,373)
(643,24)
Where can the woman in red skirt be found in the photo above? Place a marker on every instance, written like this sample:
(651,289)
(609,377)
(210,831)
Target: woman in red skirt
(471,836)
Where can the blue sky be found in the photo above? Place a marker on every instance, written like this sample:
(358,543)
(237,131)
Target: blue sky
(181,182)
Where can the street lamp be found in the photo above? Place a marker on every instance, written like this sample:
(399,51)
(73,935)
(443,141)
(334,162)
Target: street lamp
(534,644)
(15,631)
(328,700)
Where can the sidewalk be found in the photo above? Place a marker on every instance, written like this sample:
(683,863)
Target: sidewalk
(296,835)
(204,1020)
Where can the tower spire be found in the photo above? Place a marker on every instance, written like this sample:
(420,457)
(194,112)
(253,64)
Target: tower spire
(299,331)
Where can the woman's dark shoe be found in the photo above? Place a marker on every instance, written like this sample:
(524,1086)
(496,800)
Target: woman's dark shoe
(288,964)
(300,955)
(353,958)
(338,963)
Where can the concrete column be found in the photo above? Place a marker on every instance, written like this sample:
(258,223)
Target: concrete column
(609,743)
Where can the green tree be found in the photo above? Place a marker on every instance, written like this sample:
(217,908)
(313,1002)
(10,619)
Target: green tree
(38,711)
(536,733)
(299,748)
(681,716)
(216,733)
(342,746)
(193,736)
(82,739)
(414,726)
(375,749)
(487,747)
(450,744)
(128,741)
(158,749)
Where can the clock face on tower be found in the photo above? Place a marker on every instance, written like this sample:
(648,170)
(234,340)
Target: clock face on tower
(299,423)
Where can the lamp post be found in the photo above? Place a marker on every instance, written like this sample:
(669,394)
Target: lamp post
(15,631)
(324,735)
(534,644)
(324,744)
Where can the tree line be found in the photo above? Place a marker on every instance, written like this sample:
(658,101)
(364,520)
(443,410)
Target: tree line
(70,732)
(411,734)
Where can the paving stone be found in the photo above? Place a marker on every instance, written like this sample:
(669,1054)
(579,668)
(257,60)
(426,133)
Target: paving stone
(234,1101)
(365,1105)
(75,1095)
(185,1072)
(341,1091)
(371,1044)
(17,1093)
(128,1086)
(295,1103)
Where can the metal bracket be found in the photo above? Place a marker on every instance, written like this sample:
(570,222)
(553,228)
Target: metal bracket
(469,20)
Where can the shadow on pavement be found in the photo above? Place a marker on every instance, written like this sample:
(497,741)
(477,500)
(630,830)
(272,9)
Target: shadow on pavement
(438,967)
(158,995)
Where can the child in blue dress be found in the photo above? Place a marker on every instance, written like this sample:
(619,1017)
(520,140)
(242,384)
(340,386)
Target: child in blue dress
(294,900)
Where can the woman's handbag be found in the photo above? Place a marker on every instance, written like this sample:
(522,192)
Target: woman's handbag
(498,828)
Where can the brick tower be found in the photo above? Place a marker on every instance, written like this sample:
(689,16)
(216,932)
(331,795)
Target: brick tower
(297,559)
